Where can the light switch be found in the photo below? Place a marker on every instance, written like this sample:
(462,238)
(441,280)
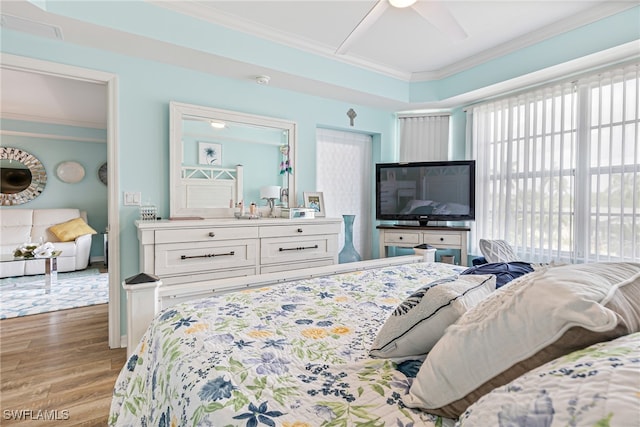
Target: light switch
(132,198)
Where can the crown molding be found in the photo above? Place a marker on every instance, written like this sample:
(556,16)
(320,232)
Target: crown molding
(587,17)
(52,120)
(42,135)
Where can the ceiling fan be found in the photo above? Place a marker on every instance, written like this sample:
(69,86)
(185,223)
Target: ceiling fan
(434,11)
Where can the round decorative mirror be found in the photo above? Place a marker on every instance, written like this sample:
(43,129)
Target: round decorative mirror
(23,176)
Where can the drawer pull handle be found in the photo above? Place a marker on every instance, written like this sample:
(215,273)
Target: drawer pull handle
(442,239)
(212,234)
(299,248)
(400,237)
(299,230)
(207,255)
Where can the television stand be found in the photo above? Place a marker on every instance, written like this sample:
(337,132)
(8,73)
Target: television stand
(408,236)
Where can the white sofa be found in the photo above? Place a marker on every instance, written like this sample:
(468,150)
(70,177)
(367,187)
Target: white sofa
(18,226)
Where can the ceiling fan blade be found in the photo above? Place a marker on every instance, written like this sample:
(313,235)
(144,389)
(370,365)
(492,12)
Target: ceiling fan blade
(369,19)
(440,17)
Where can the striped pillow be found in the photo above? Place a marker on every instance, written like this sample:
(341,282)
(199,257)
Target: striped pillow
(420,320)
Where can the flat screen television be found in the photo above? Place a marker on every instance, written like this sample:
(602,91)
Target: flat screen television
(426,191)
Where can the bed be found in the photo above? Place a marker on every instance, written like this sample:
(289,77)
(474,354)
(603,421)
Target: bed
(317,352)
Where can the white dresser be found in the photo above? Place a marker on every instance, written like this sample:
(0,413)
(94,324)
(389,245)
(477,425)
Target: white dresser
(187,251)
(438,237)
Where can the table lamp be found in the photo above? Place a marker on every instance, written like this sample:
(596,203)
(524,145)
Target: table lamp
(270,193)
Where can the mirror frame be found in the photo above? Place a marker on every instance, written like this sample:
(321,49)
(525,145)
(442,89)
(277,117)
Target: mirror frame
(177,112)
(38,176)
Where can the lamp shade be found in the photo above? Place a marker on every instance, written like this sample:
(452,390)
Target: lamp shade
(270,192)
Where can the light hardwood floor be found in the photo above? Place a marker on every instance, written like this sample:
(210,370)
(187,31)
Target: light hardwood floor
(59,363)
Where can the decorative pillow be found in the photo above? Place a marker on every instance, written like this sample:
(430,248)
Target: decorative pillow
(421,319)
(532,320)
(497,251)
(504,271)
(70,230)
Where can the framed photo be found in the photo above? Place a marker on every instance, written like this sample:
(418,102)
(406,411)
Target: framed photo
(314,201)
(209,153)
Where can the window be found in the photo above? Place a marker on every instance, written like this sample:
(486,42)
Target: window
(559,169)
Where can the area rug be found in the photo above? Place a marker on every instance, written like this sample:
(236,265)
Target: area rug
(23,296)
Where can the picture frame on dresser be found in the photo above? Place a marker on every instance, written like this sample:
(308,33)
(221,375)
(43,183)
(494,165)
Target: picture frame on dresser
(315,201)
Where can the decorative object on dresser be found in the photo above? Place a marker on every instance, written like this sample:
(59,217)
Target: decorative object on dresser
(348,252)
(315,201)
(23,177)
(270,193)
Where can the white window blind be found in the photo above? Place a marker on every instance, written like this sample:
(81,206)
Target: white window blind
(424,138)
(558,170)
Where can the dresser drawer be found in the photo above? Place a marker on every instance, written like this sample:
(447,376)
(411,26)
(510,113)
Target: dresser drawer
(184,258)
(296,230)
(399,238)
(443,239)
(205,234)
(303,248)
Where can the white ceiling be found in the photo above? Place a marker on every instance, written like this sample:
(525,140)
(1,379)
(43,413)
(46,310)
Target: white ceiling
(50,99)
(399,43)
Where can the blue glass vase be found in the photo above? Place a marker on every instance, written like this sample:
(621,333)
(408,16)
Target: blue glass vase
(348,252)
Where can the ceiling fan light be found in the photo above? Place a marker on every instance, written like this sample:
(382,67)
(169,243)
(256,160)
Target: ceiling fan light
(401,3)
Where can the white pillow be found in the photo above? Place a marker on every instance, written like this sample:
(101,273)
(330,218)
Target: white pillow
(526,323)
(497,251)
(421,319)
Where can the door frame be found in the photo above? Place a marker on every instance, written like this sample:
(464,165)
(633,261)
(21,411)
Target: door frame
(110,80)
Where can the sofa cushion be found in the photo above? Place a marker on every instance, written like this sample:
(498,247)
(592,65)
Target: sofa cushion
(70,230)
(16,228)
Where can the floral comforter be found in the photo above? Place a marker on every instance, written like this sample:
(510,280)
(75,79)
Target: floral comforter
(292,355)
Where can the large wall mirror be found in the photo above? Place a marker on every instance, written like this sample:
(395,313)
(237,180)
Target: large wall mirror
(23,176)
(220,158)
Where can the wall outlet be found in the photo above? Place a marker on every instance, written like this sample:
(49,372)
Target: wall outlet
(132,198)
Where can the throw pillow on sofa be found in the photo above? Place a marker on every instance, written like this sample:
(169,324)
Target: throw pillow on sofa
(71,230)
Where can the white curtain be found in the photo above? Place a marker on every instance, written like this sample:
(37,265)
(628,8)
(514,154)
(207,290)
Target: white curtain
(558,169)
(343,175)
(424,138)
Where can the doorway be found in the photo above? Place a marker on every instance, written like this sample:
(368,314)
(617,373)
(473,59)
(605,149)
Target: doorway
(46,68)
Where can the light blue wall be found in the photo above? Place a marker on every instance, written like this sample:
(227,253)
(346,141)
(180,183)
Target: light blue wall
(146,87)
(90,194)
(145,90)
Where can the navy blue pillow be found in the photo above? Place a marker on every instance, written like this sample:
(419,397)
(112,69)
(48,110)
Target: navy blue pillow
(504,271)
